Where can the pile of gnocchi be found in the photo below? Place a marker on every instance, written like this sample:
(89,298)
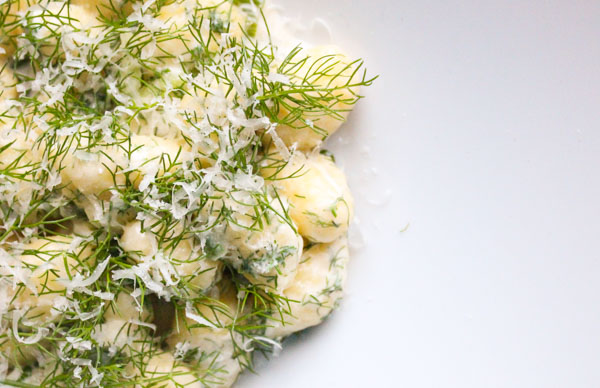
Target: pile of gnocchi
(168,209)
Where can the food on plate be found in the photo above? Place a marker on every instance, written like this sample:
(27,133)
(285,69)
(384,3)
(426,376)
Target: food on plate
(167,207)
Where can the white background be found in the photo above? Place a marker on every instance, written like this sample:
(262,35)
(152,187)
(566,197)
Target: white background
(483,136)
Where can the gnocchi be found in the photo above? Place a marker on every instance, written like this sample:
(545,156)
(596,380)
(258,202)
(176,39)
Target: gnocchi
(336,73)
(167,208)
(317,286)
(320,201)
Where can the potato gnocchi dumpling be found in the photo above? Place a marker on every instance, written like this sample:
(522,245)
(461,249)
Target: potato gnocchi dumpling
(166,207)
(142,157)
(201,334)
(190,265)
(59,27)
(317,286)
(189,24)
(126,323)
(48,265)
(332,75)
(320,201)
(164,371)
(265,248)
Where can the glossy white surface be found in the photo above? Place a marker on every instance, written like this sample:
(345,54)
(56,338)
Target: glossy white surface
(485,129)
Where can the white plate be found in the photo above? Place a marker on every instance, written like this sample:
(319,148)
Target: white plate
(482,135)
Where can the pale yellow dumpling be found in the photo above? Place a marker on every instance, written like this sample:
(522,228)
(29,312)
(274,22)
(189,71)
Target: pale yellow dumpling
(267,251)
(320,201)
(197,272)
(205,329)
(48,259)
(125,307)
(312,128)
(164,371)
(92,173)
(20,151)
(316,289)
(177,18)
(55,18)
(115,333)
(95,173)
(121,324)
